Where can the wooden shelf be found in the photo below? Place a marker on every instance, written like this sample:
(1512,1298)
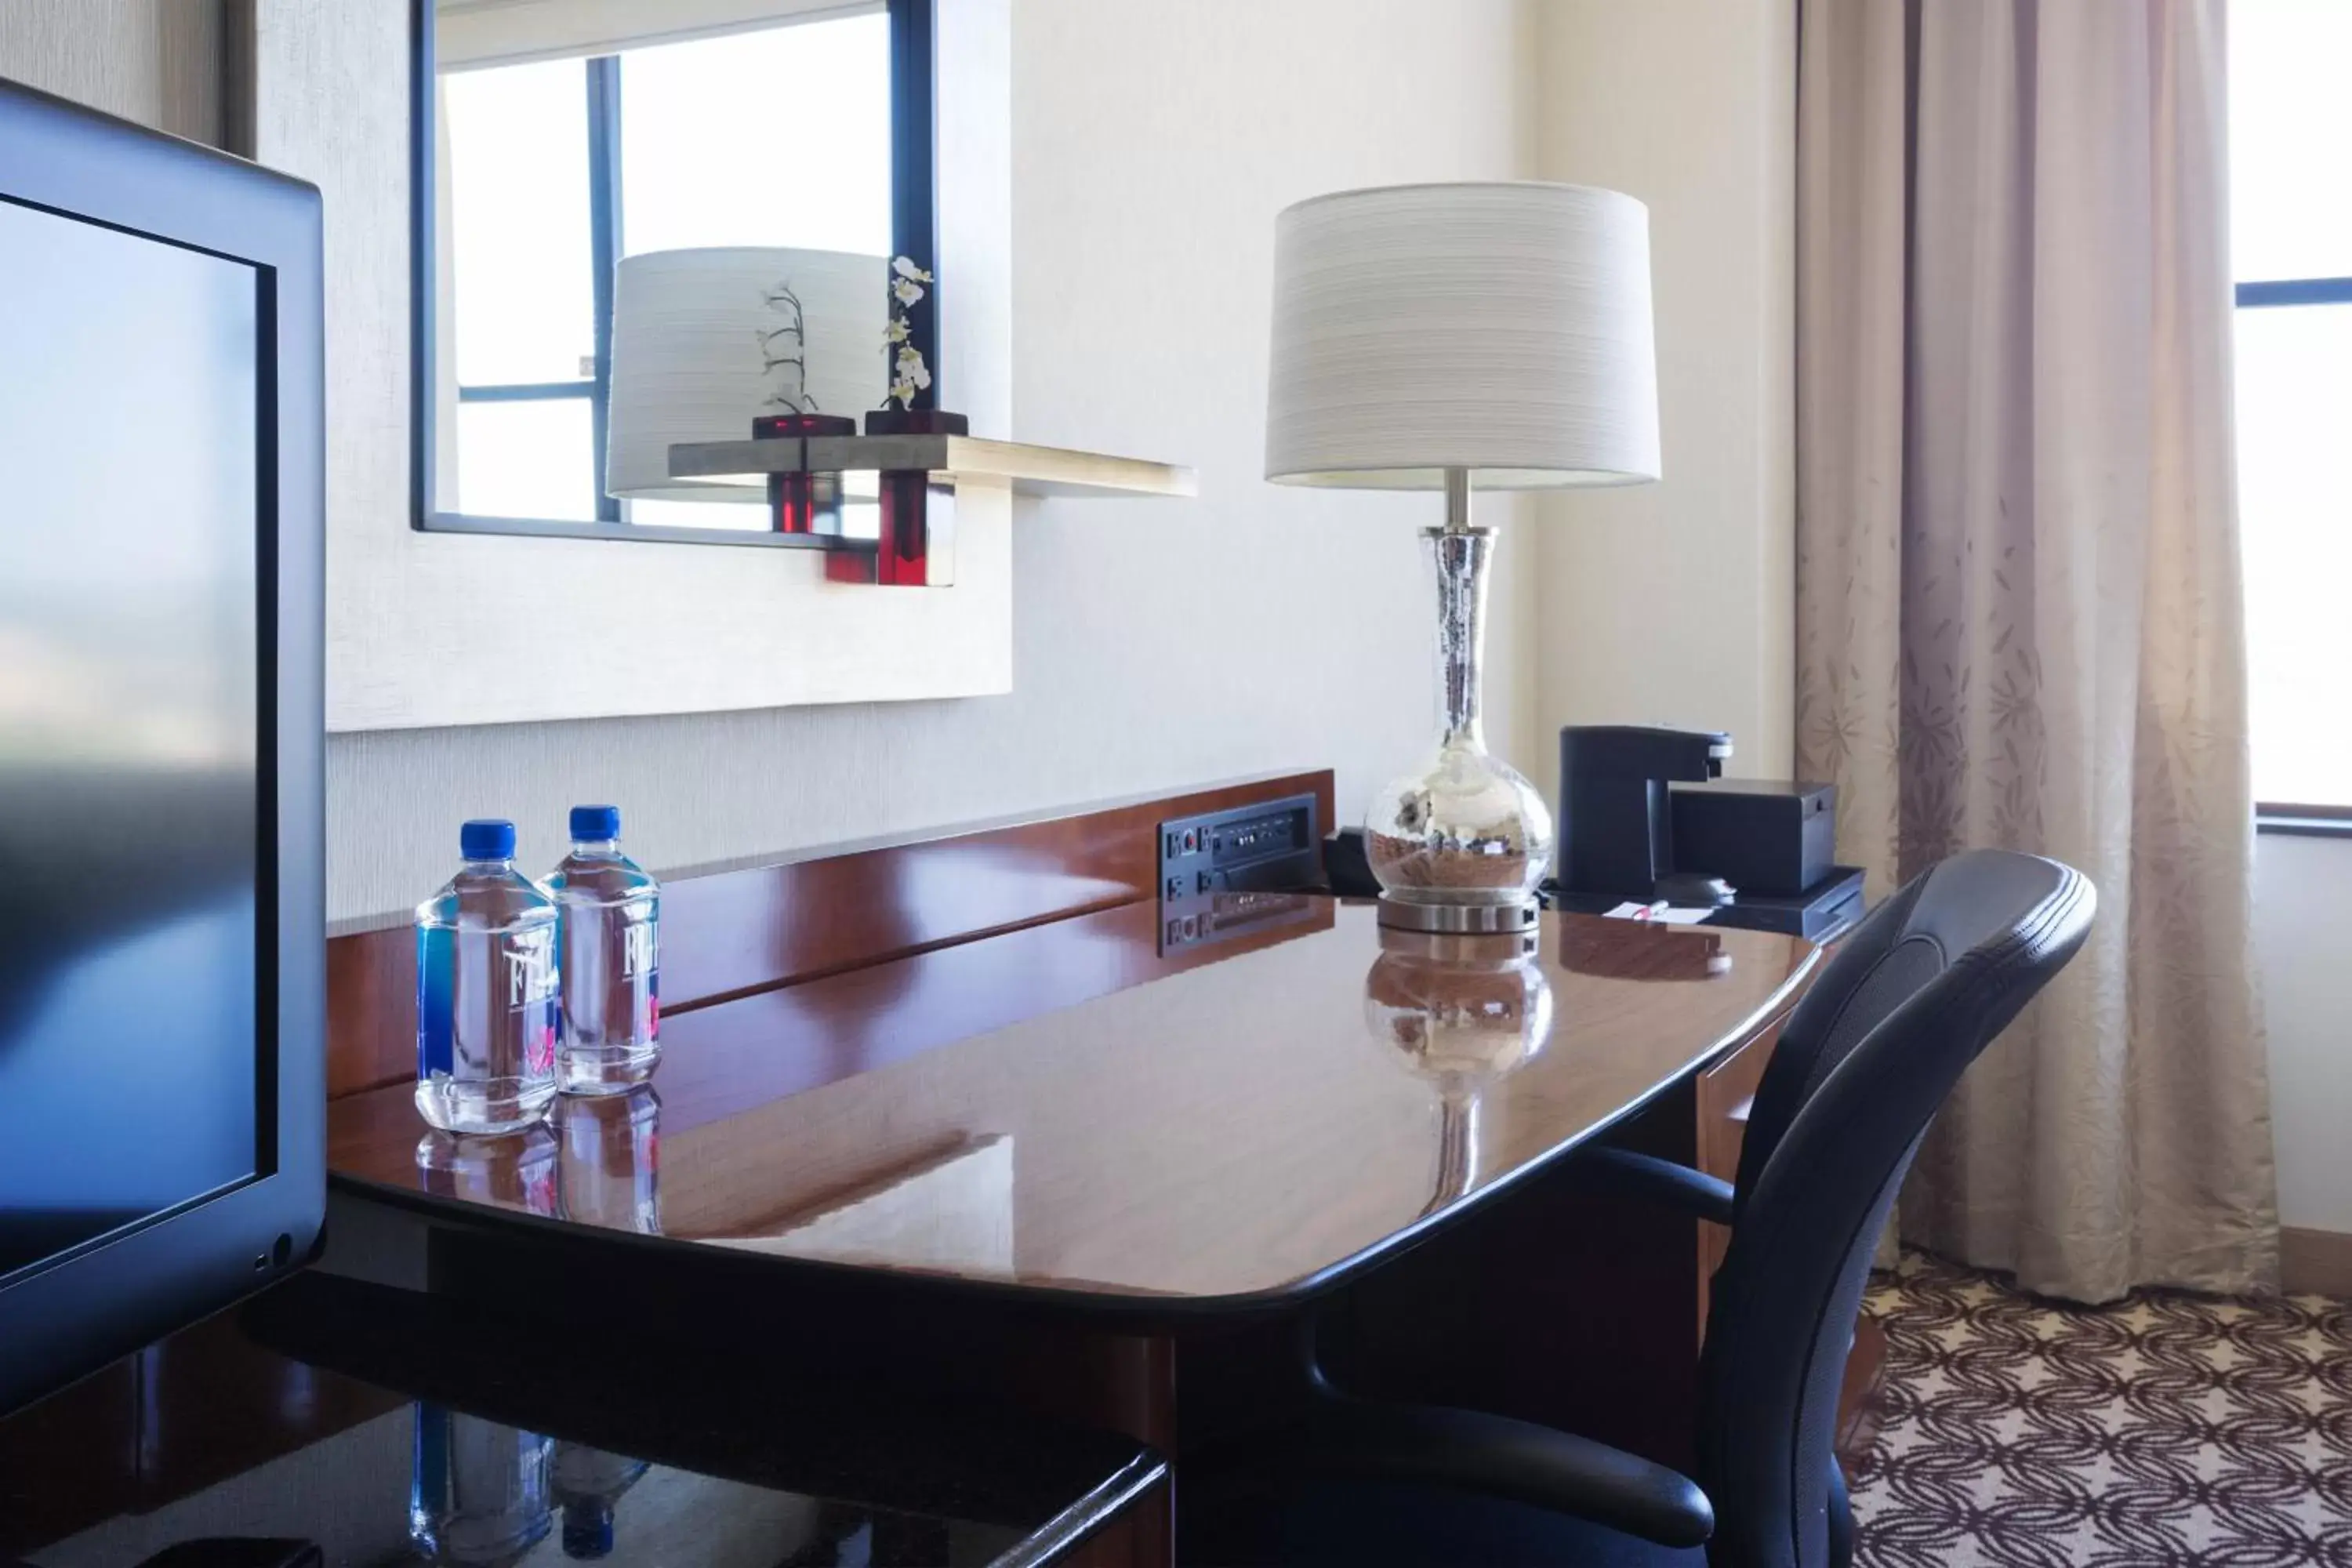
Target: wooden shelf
(1029,470)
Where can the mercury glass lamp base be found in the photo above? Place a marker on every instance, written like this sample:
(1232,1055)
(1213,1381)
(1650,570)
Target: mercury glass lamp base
(1457,920)
(1466,829)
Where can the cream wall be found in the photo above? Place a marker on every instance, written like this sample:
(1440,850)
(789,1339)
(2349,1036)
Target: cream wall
(158,62)
(1674,602)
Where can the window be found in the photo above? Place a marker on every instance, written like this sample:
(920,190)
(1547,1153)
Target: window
(559,168)
(2291,241)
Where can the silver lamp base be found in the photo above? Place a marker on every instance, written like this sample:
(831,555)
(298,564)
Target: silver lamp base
(1458,920)
(1459,844)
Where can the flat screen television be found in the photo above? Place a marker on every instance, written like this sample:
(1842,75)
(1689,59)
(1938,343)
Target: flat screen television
(161,955)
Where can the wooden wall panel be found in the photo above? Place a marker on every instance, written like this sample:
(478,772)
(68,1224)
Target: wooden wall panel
(731,933)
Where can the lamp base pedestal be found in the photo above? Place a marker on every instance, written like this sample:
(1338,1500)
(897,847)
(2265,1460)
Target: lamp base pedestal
(1458,920)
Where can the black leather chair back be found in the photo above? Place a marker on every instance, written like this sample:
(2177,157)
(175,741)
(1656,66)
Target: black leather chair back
(1870,1053)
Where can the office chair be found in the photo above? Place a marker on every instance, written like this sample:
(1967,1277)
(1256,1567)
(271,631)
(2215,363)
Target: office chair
(1825,1025)
(1902,1009)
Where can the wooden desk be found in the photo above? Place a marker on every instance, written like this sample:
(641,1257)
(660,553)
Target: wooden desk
(1061,1169)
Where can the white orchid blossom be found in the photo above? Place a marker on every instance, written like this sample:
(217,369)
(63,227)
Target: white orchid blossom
(908,375)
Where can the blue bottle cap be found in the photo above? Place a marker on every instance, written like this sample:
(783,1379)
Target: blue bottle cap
(587,1531)
(487,840)
(595,824)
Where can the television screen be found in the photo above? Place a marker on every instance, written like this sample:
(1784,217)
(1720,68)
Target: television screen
(134,688)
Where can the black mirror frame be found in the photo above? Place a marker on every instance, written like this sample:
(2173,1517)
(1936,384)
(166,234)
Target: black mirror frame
(914,234)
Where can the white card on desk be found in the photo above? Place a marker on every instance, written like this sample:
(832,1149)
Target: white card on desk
(1681,917)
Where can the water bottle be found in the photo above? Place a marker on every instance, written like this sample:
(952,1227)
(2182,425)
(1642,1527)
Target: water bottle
(588,1486)
(488,1008)
(477,1491)
(611,946)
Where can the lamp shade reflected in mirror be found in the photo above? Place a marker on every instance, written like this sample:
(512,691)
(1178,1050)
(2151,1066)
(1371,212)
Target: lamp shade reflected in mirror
(705,341)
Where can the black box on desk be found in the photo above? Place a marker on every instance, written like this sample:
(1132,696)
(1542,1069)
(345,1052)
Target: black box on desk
(1762,835)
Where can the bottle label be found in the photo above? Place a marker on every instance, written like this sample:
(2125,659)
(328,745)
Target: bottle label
(641,963)
(533,990)
(437,1001)
(522,979)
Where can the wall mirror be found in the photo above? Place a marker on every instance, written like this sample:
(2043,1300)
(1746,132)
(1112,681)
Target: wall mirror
(644,222)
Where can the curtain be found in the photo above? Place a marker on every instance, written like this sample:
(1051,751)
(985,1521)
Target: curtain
(2020,617)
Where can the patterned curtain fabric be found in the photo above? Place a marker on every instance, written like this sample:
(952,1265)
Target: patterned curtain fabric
(2019,619)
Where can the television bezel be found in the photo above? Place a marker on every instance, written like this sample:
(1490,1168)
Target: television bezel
(84,1307)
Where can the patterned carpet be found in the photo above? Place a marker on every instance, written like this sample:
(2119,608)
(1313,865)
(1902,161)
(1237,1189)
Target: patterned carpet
(2166,1428)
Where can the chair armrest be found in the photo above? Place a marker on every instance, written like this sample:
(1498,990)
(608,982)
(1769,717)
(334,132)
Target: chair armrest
(1518,1461)
(1647,1177)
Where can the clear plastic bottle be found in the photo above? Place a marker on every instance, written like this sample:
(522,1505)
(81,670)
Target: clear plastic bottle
(477,1492)
(488,1008)
(588,1486)
(611,958)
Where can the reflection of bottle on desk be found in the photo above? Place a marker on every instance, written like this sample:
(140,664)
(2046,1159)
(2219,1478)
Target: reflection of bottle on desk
(514,1173)
(611,1165)
(479,1493)
(588,1483)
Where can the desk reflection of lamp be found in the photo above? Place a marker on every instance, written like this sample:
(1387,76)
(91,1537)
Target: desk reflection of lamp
(1463,1010)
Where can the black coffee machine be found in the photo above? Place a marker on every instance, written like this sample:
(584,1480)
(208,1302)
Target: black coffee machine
(1617,833)
(1645,815)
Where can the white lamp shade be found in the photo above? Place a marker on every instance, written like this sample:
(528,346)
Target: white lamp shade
(689,362)
(1503,329)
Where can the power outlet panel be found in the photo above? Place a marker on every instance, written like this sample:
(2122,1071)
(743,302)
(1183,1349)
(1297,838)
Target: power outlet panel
(1268,846)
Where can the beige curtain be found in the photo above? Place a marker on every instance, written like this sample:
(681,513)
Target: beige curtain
(2018,612)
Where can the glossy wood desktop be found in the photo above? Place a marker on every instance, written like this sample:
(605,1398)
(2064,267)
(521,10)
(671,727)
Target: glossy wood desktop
(1065,1111)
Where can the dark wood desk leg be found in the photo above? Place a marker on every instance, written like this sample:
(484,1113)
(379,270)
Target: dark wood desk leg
(1139,1380)
(1154,1527)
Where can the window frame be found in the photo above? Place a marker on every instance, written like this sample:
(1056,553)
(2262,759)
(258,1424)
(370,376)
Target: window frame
(602,74)
(914,227)
(2304,818)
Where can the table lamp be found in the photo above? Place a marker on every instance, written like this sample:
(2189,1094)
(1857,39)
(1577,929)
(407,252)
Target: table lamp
(1437,337)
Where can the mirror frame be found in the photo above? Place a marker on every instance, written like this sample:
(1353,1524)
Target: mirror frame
(914,234)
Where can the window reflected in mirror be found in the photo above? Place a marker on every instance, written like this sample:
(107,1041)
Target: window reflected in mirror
(758,144)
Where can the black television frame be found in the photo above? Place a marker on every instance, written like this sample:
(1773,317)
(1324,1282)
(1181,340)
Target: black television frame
(89,1304)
